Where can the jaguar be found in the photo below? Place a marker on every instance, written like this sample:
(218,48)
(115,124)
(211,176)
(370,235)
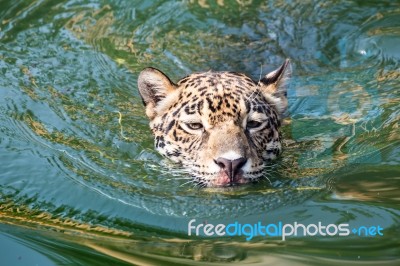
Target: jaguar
(222,127)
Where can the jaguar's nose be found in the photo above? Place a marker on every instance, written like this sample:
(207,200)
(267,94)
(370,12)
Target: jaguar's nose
(231,167)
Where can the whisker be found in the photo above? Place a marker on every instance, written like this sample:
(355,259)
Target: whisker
(261,71)
(268,180)
(182,178)
(191,181)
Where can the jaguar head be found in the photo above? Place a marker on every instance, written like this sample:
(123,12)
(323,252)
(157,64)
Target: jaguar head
(223,127)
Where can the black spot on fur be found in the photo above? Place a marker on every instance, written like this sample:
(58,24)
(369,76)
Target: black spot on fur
(160,142)
(199,106)
(189,110)
(174,153)
(210,105)
(169,127)
(175,135)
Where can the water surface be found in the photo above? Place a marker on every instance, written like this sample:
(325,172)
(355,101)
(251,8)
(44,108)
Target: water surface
(80,182)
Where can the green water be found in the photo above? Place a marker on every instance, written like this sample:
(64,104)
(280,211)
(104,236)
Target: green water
(80,182)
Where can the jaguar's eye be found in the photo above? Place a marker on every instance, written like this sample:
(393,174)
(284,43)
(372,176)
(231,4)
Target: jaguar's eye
(253,124)
(194,126)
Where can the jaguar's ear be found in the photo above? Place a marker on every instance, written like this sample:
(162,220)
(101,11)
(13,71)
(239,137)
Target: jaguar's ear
(154,86)
(273,86)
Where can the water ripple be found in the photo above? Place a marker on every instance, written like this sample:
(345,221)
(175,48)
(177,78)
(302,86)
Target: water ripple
(77,154)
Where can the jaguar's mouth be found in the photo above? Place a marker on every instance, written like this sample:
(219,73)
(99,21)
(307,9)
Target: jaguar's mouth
(223,180)
(226,176)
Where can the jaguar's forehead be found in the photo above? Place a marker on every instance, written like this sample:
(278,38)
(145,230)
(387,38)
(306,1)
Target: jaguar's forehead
(216,80)
(218,96)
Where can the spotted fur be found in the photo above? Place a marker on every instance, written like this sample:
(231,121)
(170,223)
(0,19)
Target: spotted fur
(221,126)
